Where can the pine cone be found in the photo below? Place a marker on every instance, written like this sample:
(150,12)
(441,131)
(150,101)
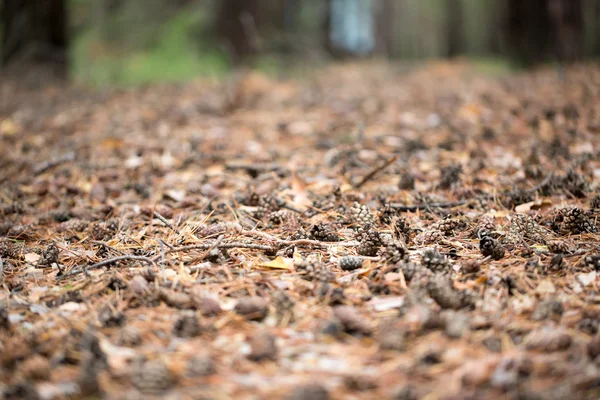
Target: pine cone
(324,233)
(592,261)
(129,336)
(361,215)
(74,225)
(314,271)
(370,242)
(270,203)
(448,225)
(386,214)
(153,377)
(558,247)
(429,237)
(402,228)
(491,247)
(434,261)
(395,252)
(595,203)
(187,326)
(450,175)
(441,290)
(575,221)
(350,263)
(278,217)
(49,255)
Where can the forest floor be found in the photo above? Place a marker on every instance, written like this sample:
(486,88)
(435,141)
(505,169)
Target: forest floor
(365,232)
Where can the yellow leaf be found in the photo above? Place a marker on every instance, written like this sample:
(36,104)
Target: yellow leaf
(277,263)
(8,128)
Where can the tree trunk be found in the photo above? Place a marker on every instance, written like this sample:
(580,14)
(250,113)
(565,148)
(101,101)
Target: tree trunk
(35,32)
(236,25)
(543,30)
(454,31)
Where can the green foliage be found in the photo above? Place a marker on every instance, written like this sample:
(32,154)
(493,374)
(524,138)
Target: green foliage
(171,52)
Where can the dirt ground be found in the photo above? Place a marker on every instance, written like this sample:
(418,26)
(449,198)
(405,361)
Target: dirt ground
(365,232)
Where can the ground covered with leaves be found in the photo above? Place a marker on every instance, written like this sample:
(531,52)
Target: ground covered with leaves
(366,232)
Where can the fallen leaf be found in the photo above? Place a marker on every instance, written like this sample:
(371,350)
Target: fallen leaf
(586,279)
(545,286)
(277,263)
(32,258)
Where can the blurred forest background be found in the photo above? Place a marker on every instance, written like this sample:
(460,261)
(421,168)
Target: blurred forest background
(128,42)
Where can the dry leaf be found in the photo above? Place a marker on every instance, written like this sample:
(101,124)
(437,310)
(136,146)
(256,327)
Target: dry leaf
(278,263)
(32,258)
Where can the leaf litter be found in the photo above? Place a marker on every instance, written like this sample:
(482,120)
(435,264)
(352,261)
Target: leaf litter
(362,232)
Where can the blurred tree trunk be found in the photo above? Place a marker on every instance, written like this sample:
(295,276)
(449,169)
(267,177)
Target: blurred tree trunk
(35,32)
(542,30)
(567,19)
(454,27)
(236,25)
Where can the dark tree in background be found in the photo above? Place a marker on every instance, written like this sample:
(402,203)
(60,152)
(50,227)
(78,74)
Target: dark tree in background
(236,26)
(542,30)
(35,32)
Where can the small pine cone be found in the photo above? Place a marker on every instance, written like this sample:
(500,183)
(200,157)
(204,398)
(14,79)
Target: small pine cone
(49,255)
(557,262)
(153,377)
(200,365)
(112,225)
(386,214)
(450,176)
(259,213)
(470,267)
(351,320)
(592,261)
(395,252)
(19,232)
(491,247)
(332,295)
(361,215)
(523,227)
(434,261)
(407,182)
(60,215)
(441,290)
(262,347)
(8,249)
(350,263)
(487,223)
(129,336)
(429,237)
(558,247)
(4,321)
(409,270)
(98,232)
(270,203)
(284,306)
(187,326)
(324,233)
(252,308)
(278,217)
(575,221)
(109,316)
(73,225)
(370,242)
(402,227)
(595,203)
(315,271)
(448,225)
